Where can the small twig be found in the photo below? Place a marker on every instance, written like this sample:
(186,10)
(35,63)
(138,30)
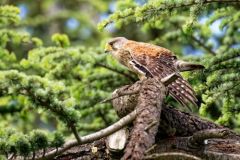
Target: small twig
(74,130)
(197,139)
(44,151)
(120,94)
(150,125)
(199,42)
(151,148)
(172,155)
(34,154)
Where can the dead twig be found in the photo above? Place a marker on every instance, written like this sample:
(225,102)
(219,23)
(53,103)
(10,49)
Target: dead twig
(120,94)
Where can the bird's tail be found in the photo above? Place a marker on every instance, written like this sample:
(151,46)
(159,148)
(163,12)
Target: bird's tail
(187,66)
(182,92)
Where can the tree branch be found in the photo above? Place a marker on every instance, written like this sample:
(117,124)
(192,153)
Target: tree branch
(203,45)
(149,105)
(191,4)
(172,7)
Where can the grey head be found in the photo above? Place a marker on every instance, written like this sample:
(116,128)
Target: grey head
(115,44)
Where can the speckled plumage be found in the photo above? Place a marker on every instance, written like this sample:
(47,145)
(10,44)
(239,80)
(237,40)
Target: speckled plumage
(148,60)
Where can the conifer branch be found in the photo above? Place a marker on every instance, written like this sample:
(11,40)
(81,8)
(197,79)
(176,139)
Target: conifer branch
(201,44)
(149,11)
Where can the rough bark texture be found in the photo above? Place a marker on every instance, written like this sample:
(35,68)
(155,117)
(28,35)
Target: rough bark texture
(182,123)
(173,122)
(146,124)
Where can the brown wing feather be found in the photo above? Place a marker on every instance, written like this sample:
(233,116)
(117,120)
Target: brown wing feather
(160,62)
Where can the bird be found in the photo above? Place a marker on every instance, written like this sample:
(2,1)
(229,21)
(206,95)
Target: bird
(149,60)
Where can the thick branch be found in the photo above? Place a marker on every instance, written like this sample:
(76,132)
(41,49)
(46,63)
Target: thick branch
(178,123)
(145,128)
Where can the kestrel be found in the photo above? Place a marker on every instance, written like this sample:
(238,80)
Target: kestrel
(148,60)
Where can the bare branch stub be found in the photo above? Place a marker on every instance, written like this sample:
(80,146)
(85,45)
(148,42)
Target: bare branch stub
(197,139)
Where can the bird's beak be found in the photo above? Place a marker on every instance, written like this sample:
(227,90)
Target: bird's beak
(108,48)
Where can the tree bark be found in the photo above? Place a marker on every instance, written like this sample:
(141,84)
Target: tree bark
(145,126)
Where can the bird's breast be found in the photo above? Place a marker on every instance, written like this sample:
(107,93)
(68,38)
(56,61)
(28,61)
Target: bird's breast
(123,57)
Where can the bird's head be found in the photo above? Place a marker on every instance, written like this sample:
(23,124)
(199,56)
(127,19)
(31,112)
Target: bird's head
(115,44)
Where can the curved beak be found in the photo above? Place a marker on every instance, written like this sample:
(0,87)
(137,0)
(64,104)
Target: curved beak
(108,48)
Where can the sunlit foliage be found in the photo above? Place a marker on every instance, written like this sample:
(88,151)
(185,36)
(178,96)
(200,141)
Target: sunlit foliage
(54,73)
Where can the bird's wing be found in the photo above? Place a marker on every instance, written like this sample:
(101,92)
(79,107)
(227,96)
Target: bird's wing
(160,63)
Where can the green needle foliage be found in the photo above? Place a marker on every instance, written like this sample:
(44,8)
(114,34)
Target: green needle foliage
(54,73)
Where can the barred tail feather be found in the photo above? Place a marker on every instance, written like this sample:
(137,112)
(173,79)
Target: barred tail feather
(186,86)
(182,92)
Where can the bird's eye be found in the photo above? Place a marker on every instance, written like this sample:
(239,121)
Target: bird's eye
(113,45)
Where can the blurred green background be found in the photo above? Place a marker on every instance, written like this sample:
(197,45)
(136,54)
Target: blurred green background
(56,51)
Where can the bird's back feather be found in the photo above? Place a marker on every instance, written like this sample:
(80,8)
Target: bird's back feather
(160,62)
